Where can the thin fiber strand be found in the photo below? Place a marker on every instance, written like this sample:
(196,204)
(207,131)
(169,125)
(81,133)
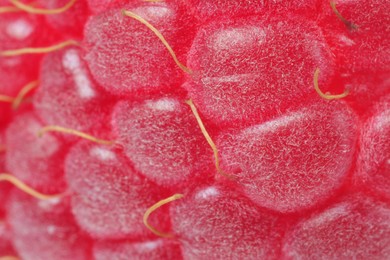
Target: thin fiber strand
(153,208)
(160,36)
(324,95)
(345,21)
(9,257)
(38,50)
(23,187)
(6,99)
(33,10)
(56,128)
(9,9)
(23,92)
(207,136)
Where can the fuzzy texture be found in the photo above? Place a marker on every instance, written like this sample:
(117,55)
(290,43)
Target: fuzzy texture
(345,230)
(278,172)
(162,141)
(294,161)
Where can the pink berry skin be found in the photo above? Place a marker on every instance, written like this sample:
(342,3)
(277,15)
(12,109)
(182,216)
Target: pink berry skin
(3,149)
(109,197)
(19,30)
(357,227)
(365,90)
(309,8)
(68,96)
(69,23)
(5,236)
(361,44)
(37,161)
(99,6)
(16,31)
(309,176)
(206,10)
(45,229)
(159,249)
(122,51)
(295,161)
(216,222)
(6,247)
(373,165)
(239,56)
(4,187)
(3,197)
(161,137)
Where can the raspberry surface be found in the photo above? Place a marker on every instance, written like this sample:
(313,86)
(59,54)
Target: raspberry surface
(194,129)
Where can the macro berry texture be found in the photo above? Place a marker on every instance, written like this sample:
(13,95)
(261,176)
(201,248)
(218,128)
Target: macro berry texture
(68,96)
(345,230)
(45,229)
(234,55)
(163,132)
(37,161)
(130,72)
(92,202)
(194,129)
(294,161)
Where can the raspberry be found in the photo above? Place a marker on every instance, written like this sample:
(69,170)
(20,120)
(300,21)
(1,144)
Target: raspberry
(162,140)
(68,96)
(97,6)
(17,31)
(71,22)
(45,229)
(308,8)
(155,249)
(92,202)
(207,10)
(206,217)
(365,90)
(374,164)
(194,129)
(300,168)
(4,187)
(119,38)
(36,161)
(6,247)
(357,227)
(5,236)
(237,54)
(360,33)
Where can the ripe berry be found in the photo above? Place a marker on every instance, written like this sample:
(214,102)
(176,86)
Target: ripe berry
(154,249)
(287,164)
(68,96)
(122,51)
(163,140)
(239,55)
(38,161)
(356,227)
(18,30)
(69,23)
(194,129)
(373,167)
(218,222)
(6,247)
(45,229)
(358,38)
(114,210)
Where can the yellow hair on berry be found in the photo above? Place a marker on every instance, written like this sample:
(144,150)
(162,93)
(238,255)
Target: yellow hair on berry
(156,206)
